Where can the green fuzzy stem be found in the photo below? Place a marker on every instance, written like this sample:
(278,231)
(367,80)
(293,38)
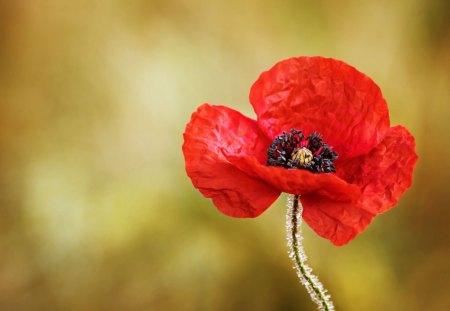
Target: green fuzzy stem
(296,252)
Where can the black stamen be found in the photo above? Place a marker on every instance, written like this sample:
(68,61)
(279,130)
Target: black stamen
(293,151)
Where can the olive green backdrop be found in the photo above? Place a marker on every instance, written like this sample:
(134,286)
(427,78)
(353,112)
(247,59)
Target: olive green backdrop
(96,211)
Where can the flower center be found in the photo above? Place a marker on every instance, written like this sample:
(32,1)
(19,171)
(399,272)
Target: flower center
(292,150)
(302,156)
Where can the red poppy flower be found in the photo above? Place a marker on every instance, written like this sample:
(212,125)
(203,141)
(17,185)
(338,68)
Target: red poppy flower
(322,132)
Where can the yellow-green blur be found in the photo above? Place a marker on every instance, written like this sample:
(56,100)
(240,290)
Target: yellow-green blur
(96,211)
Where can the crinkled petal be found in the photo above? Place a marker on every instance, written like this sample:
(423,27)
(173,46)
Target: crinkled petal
(383,175)
(323,95)
(234,193)
(297,181)
(338,222)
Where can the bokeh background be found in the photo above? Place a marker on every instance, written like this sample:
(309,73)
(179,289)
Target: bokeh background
(96,211)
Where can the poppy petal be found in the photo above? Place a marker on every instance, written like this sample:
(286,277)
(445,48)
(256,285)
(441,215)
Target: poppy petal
(234,193)
(383,175)
(323,95)
(297,181)
(338,222)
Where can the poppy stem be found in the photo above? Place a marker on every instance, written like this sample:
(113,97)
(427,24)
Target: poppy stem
(315,289)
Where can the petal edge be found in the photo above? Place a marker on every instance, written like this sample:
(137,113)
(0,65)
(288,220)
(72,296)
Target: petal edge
(233,192)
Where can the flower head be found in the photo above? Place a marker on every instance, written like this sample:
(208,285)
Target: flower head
(322,131)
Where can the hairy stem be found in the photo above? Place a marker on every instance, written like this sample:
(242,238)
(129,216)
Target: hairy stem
(315,289)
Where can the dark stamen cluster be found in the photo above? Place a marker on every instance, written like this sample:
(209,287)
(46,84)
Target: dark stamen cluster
(291,150)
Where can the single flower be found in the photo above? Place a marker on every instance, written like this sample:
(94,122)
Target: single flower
(322,132)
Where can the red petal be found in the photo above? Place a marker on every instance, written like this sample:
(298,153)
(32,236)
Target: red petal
(383,176)
(297,181)
(338,222)
(323,95)
(234,193)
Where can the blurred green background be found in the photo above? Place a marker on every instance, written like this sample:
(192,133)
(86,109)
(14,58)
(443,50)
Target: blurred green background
(96,211)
